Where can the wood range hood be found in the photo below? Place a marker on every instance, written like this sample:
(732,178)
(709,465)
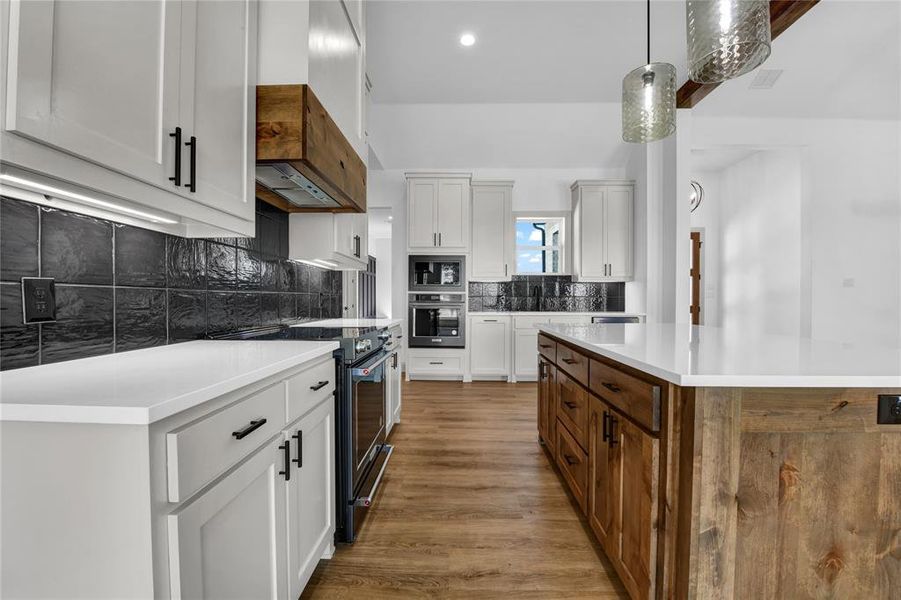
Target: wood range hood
(304,163)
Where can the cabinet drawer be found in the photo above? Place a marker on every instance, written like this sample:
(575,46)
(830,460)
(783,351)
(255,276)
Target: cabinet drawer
(573,463)
(575,364)
(572,408)
(199,451)
(309,388)
(636,398)
(528,322)
(452,365)
(547,347)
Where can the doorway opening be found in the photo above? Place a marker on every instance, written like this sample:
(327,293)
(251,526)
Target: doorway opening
(695,272)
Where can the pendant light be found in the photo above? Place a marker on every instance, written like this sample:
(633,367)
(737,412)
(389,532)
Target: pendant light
(649,100)
(726,38)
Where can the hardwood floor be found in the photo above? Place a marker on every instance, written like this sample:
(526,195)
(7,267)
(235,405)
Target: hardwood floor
(470,508)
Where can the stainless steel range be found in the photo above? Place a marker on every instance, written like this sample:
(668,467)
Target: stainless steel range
(360,407)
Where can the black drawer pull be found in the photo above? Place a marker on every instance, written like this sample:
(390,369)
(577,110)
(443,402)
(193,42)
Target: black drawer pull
(570,460)
(177,135)
(612,439)
(436,363)
(299,437)
(254,425)
(287,448)
(605,434)
(545,345)
(319,385)
(570,404)
(569,361)
(612,387)
(192,185)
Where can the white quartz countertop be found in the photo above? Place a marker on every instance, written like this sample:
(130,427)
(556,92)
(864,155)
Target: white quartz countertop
(143,386)
(702,356)
(522,313)
(351,323)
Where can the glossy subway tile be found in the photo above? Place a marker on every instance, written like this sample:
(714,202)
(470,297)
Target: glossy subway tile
(140,257)
(76,248)
(140,318)
(83,326)
(18,239)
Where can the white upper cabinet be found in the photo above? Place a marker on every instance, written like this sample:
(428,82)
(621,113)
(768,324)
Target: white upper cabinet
(218,94)
(100,92)
(331,240)
(492,231)
(438,217)
(98,80)
(603,230)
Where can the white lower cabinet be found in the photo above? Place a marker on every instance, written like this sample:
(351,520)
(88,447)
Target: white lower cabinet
(394,391)
(525,342)
(229,541)
(489,346)
(436,363)
(310,497)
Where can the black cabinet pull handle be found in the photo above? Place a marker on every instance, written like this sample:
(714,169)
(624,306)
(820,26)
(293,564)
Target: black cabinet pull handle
(569,361)
(613,441)
(254,425)
(177,135)
(287,448)
(319,385)
(545,345)
(570,404)
(192,185)
(612,387)
(569,459)
(299,437)
(605,435)
(436,363)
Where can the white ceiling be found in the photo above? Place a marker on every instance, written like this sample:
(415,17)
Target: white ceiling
(841,60)
(525,51)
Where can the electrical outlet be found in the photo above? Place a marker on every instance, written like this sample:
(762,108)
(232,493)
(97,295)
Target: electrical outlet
(889,410)
(38,300)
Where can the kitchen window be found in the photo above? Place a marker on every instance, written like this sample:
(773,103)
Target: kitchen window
(540,245)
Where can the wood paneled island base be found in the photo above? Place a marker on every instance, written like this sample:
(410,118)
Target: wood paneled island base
(726,492)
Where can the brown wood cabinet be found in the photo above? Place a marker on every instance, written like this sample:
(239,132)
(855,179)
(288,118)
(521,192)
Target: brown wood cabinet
(703,492)
(609,461)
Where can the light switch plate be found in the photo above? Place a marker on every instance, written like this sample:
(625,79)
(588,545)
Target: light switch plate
(38,300)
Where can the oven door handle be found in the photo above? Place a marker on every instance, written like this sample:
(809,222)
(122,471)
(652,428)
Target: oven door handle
(364,370)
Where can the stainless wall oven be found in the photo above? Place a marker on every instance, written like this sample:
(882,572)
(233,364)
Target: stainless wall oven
(436,273)
(437,321)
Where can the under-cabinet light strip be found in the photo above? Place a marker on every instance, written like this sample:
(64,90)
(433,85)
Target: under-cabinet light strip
(40,187)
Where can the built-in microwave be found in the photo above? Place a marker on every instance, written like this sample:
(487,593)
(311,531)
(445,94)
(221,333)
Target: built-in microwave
(436,273)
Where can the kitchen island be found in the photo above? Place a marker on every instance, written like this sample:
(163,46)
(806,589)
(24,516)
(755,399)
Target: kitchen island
(719,464)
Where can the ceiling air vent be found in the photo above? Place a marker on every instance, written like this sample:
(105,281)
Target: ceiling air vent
(765,79)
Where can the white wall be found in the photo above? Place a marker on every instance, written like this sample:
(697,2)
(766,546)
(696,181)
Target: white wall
(841,279)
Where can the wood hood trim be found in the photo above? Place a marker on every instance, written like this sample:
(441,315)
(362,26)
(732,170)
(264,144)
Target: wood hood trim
(294,127)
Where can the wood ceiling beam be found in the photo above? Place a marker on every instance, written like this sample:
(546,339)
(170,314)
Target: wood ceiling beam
(783,13)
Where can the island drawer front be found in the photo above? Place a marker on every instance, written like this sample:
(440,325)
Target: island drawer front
(547,347)
(573,363)
(636,398)
(199,451)
(308,388)
(573,464)
(572,408)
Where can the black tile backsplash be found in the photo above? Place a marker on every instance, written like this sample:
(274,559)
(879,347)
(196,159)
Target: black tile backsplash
(76,248)
(546,293)
(123,288)
(18,240)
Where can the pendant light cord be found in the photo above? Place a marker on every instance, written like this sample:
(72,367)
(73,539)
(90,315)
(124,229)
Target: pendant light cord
(649,32)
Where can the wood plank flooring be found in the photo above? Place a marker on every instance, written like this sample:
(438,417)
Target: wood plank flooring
(469,508)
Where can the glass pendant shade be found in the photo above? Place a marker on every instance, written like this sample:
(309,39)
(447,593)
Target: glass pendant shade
(726,38)
(649,103)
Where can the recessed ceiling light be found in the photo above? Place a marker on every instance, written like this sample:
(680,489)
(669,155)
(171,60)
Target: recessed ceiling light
(467,39)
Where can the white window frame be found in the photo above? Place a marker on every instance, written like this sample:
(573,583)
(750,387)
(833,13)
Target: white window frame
(564,245)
